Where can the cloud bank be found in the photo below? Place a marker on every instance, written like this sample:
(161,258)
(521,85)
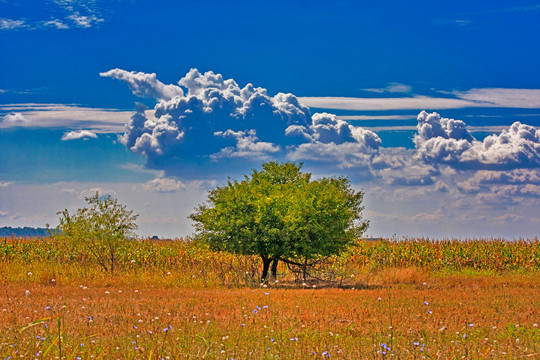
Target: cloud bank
(442,140)
(208,118)
(330,139)
(450,180)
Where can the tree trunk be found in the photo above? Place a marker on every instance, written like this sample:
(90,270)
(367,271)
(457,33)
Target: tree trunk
(274,268)
(112,257)
(112,262)
(266,266)
(304,270)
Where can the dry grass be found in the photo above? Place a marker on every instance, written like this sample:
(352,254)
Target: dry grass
(179,301)
(465,316)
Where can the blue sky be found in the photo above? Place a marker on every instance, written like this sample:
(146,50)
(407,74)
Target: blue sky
(152,102)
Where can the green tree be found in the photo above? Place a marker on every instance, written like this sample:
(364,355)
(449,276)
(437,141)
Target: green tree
(280,214)
(102,228)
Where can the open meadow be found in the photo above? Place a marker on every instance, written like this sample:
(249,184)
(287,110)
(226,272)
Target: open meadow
(399,299)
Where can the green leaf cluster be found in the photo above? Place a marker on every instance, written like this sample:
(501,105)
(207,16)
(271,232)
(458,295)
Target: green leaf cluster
(101,229)
(281,213)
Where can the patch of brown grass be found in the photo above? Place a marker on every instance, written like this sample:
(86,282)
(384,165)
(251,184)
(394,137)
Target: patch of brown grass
(409,275)
(404,300)
(471,316)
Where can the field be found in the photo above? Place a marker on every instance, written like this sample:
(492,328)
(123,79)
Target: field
(406,299)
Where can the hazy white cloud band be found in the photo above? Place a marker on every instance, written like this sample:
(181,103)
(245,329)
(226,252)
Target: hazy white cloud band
(64,116)
(474,98)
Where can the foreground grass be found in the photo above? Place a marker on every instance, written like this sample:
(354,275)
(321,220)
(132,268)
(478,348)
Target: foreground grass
(188,304)
(448,317)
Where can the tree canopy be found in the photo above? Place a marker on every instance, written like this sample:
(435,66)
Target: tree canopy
(281,213)
(101,229)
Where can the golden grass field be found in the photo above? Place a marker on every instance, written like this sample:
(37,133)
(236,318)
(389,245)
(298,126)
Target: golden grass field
(178,300)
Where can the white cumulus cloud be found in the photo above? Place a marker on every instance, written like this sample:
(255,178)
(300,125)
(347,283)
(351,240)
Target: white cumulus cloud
(144,85)
(516,176)
(78,134)
(397,167)
(346,155)
(164,185)
(15,118)
(331,139)
(433,125)
(209,117)
(56,23)
(85,21)
(59,14)
(10,24)
(247,146)
(448,141)
(513,182)
(526,190)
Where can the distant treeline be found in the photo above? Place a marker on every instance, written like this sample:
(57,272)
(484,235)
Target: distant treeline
(8,231)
